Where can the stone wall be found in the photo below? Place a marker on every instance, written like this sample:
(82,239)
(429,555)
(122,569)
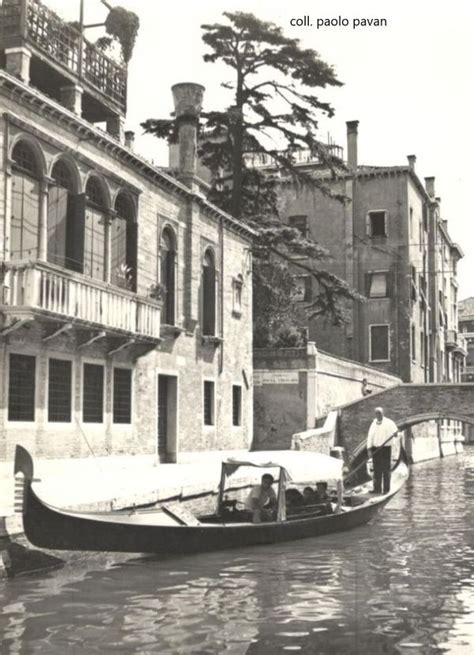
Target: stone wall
(293,387)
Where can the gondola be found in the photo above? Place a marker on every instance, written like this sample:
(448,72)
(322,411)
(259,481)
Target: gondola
(175,530)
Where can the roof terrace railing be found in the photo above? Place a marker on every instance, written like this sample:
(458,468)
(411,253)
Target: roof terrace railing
(32,22)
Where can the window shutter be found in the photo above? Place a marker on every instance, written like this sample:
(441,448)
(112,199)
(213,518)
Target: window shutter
(368,279)
(132,248)
(75,232)
(367,225)
(390,284)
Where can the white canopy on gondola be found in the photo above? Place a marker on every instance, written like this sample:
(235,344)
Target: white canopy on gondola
(299,466)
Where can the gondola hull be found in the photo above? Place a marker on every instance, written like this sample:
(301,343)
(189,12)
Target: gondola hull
(49,527)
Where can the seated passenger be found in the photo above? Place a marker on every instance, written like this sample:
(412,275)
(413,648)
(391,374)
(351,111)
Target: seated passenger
(323,498)
(310,496)
(293,498)
(321,493)
(262,500)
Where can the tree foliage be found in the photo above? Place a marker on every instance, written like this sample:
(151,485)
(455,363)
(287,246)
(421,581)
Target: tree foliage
(273,114)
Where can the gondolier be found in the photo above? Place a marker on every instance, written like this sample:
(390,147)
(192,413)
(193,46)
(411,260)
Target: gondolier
(382,431)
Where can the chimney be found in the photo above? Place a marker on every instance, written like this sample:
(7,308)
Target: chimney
(430,186)
(187,98)
(411,162)
(352,143)
(129,139)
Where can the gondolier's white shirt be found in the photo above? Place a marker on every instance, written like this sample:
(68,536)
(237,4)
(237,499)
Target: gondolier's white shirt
(380,432)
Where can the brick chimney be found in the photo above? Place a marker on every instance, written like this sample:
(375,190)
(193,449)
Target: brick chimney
(187,98)
(352,143)
(411,162)
(430,186)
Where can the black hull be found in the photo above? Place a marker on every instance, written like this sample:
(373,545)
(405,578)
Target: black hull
(48,527)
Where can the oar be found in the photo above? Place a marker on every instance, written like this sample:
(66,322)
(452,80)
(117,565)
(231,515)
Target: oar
(364,461)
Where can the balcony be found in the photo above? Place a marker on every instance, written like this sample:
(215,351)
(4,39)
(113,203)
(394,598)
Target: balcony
(451,338)
(60,56)
(39,290)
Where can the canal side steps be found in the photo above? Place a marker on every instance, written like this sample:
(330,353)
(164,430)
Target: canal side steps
(407,404)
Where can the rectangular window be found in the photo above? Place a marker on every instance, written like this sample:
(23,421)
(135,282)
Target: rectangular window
(302,291)
(236,404)
(21,388)
(299,223)
(59,391)
(93,393)
(379,343)
(378,285)
(377,224)
(122,395)
(208,402)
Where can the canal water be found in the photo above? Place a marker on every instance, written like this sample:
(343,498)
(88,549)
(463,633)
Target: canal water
(402,584)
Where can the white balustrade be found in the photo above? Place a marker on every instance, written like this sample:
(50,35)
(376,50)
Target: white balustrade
(73,296)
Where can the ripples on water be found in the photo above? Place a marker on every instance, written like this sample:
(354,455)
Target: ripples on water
(403,584)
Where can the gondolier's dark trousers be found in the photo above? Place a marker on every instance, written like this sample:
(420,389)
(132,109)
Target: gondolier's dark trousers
(382,461)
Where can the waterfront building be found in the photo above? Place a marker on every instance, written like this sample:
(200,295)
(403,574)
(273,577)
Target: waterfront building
(125,297)
(466,328)
(389,241)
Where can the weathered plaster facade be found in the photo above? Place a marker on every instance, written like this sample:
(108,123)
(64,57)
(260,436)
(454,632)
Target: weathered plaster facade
(50,312)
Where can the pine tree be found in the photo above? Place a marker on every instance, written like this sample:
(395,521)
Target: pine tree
(274,114)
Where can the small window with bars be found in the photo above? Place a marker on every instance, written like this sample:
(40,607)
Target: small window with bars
(208,402)
(122,395)
(236,404)
(59,391)
(93,393)
(21,388)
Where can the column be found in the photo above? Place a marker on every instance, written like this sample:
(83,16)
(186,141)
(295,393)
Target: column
(71,98)
(43,218)
(17,63)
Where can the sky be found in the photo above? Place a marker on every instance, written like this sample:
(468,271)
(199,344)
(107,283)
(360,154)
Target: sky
(410,84)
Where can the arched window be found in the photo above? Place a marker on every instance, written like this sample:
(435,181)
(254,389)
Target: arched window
(208,295)
(24,233)
(167,275)
(123,244)
(60,216)
(94,230)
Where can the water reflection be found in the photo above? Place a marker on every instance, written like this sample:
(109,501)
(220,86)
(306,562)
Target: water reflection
(403,584)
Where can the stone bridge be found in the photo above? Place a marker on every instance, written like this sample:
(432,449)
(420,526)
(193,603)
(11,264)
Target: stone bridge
(407,405)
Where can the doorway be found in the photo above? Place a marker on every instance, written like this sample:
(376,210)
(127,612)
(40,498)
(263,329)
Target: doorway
(167,418)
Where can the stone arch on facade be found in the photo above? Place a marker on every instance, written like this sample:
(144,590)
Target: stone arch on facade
(71,166)
(93,177)
(32,143)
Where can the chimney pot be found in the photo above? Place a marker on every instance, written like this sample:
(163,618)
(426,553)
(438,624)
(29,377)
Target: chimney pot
(430,186)
(129,139)
(411,162)
(352,127)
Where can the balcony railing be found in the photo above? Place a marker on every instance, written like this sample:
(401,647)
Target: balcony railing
(70,296)
(33,22)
